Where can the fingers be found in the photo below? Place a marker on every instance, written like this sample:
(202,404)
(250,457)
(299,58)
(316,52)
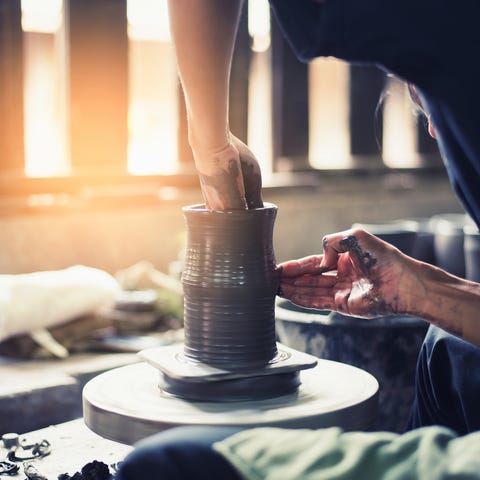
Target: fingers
(310,291)
(252,176)
(230,176)
(308,286)
(303,266)
(321,299)
(365,282)
(252,181)
(333,247)
(306,282)
(363,248)
(221,179)
(349,299)
(315,281)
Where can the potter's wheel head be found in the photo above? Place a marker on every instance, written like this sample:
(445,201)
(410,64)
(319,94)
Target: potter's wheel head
(190,380)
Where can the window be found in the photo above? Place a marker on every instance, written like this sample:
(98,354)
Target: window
(102,102)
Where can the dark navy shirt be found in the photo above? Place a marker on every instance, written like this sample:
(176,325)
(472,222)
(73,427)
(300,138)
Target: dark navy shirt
(434,44)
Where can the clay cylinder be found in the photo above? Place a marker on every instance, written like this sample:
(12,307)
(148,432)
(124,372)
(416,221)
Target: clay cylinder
(229,282)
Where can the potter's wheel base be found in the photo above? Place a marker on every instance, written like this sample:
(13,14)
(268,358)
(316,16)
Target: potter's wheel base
(232,390)
(197,381)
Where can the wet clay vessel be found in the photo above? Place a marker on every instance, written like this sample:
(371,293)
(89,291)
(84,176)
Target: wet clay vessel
(230,280)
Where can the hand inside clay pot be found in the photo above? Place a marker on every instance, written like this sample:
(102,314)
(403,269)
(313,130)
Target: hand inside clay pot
(230,176)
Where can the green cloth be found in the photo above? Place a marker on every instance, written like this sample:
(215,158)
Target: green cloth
(429,453)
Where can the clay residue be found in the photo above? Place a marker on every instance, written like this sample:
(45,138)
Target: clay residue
(252,180)
(365,259)
(223,185)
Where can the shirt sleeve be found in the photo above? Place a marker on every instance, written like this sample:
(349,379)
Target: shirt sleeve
(327,454)
(433,44)
(415,39)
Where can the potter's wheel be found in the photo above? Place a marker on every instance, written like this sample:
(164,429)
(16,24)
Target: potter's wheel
(126,404)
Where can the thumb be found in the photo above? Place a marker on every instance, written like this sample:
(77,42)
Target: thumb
(348,241)
(332,248)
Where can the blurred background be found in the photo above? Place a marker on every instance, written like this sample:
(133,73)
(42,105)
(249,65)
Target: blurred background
(95,168)
(94,162)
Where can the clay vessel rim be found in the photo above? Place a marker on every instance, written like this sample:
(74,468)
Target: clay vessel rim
(201,209)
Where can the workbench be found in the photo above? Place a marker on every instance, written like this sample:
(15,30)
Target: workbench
(73,445)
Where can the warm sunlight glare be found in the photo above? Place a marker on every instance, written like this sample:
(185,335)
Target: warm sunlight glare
(153,110)
(259,92)
(328,114)
(259,24)
(44,107)
(148,20)
(399,127)
(43,16)
(259,108)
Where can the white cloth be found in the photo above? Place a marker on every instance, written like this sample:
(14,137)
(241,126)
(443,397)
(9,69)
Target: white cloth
(33,301)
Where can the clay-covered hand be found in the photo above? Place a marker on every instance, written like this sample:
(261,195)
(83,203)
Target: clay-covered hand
(358,274)
(230,176)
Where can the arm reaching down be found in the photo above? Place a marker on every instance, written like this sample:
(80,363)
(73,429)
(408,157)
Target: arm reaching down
(203,33)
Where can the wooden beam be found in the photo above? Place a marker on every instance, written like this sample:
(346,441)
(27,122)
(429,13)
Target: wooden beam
(23,187)
(365,122)
(98,86)
(239,79)
(185,155)
(11,89)
(289,103)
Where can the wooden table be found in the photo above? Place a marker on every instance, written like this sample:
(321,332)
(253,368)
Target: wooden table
(73,446)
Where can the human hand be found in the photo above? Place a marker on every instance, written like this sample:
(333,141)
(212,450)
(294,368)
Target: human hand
(358,274)
(230,177)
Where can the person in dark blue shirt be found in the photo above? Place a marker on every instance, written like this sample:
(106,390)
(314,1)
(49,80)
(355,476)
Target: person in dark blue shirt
(424,43)
(436,51)
(432,45)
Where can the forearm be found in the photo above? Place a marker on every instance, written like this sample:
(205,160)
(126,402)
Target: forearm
(374,278)
(204,33)
(449,302)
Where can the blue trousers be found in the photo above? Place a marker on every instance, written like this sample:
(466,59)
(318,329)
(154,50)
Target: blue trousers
(182,453)
(447,388)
